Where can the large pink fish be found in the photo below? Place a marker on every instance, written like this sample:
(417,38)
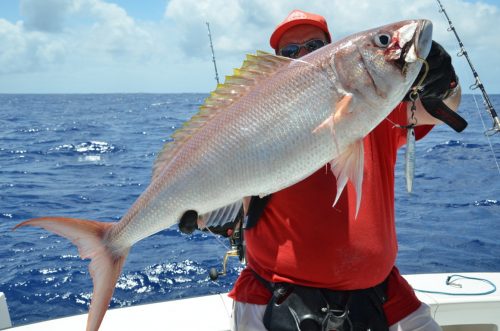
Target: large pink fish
(270,125)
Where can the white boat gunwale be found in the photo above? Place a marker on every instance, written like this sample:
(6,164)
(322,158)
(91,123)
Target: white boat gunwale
(479,312)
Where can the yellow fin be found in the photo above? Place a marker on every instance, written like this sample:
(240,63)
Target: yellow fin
(255,68)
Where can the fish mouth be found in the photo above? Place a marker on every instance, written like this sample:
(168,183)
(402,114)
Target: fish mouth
(417,47)
(400,62)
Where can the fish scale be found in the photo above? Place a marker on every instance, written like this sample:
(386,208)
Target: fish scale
(273,123)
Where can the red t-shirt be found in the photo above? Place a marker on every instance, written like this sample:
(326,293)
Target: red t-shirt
(301,239)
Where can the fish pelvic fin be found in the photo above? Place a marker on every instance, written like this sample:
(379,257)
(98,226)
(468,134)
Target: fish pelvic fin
(105,266)
(349,166)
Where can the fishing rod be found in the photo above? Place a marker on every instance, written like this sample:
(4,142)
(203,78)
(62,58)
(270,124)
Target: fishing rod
(478,83)
(213,54)
(235,236)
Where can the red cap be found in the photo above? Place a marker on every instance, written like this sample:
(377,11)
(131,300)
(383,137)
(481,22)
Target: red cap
(297,17)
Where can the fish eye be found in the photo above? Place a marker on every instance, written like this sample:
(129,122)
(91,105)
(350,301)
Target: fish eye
(382,40)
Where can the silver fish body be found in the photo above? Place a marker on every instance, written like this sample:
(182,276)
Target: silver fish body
(272,124)
(264,141)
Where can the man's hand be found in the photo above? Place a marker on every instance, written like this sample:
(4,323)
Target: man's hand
(440,83)
(440,79)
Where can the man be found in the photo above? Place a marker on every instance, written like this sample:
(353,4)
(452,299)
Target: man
(301,240)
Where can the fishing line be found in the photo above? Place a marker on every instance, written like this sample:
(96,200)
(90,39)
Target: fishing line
(217,237)
(487,136)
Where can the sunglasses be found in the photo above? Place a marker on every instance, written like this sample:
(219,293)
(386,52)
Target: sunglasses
(293,50)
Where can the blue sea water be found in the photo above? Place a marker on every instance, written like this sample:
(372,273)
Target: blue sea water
(90,156)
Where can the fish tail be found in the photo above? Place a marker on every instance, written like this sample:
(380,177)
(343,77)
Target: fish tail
(106,263)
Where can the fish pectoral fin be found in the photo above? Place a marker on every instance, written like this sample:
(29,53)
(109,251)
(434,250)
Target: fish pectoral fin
(219,218)
(349,166)
(105,266)
(339,110)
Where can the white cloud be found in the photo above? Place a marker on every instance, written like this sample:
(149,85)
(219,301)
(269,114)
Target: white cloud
(26,51)
(94,45)
(230,23)
(72,35)
(114,35)
(243,26)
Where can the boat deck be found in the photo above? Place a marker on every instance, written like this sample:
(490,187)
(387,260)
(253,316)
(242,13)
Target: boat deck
(465,309)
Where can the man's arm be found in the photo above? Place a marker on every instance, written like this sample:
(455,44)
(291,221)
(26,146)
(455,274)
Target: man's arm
(424,118)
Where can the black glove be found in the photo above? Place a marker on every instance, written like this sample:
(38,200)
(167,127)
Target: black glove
(437,85)
(440,79)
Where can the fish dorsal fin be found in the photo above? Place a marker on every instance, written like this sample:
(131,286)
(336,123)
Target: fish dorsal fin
(255,68)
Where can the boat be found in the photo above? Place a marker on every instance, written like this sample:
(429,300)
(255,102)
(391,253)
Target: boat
(459,302)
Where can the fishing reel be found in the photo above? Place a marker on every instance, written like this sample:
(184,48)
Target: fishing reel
(233,230)
(237,249)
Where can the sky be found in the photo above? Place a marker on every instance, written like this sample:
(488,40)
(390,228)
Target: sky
(162,46)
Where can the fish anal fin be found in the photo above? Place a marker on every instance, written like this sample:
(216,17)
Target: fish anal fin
(349,166)
(105,266)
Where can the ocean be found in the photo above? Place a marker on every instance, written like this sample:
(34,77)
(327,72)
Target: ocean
(90,156)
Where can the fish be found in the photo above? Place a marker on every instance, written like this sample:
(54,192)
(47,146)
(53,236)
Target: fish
(272,123)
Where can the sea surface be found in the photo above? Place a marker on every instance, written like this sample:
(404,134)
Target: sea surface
(90,156)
